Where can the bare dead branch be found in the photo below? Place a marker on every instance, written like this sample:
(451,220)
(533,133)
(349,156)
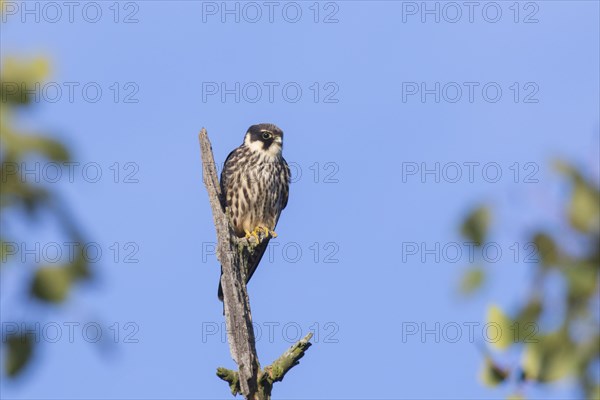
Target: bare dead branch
(233,252)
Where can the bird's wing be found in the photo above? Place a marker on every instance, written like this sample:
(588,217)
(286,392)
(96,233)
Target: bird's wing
(223,199)
(255,258)
(286,184)
(253,262)
(224,177)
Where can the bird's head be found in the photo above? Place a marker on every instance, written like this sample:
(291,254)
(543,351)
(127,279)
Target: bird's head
(265,138)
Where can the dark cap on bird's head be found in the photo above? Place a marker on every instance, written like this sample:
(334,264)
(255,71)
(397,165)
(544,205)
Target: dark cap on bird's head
(271,128)
(267,134)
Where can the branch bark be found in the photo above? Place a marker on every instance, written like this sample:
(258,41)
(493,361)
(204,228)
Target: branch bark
(232,252)
(271,374)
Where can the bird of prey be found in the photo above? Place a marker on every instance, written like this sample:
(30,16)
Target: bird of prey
(254,188)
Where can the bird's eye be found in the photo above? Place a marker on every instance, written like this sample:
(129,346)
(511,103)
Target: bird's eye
(267,135)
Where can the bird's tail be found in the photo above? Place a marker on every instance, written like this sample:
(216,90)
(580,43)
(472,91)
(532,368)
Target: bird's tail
(220,293)
(253,261)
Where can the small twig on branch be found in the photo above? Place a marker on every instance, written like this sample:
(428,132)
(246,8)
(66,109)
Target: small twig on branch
(271,374)
(276,371)
(233,252)
(232,377)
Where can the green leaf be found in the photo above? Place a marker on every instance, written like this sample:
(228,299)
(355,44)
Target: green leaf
(503,323)
(52,284)
(491,374)
(472,280)
(31,70)
(42,145)
(20,348)
(51,149)
(584,210)
(475,227)
(595,392)
(546,248)
(530,312)
(19,77)
(79,268)
(531,362)
(582,280)
(558,365)
(552,358)
(7,250)
(525,328)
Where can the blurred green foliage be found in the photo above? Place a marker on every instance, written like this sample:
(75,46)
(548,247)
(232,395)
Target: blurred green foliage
(476,225)
(472,280)
(19,351)
(22,201)
(572,349)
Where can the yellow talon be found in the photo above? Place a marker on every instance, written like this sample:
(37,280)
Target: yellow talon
(252,234)
(260,229)
(269,232)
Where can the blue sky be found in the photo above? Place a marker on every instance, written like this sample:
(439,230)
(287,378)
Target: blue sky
(352,142)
